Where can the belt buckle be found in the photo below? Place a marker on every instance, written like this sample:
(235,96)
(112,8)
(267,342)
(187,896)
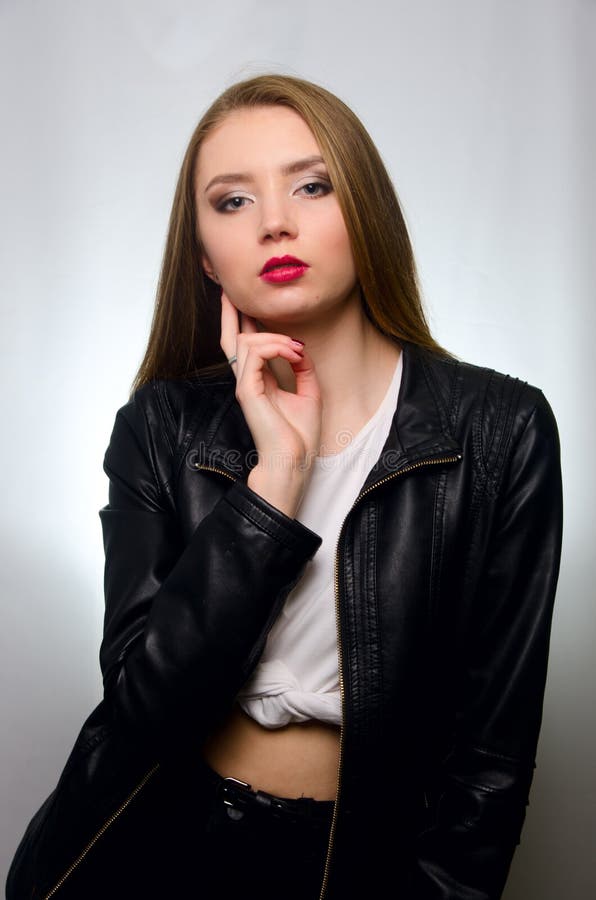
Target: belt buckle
(238,796)
(232,790)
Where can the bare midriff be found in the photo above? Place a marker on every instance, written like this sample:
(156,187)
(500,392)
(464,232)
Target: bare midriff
(296,760)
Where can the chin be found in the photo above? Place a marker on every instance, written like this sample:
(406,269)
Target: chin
(284,315)
(289,313)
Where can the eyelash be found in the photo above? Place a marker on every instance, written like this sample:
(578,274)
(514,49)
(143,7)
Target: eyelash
(324,185)
(325,188)
(223,205)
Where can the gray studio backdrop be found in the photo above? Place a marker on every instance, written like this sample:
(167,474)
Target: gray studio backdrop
(484,113)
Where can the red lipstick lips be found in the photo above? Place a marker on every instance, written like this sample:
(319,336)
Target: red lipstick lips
(282,268)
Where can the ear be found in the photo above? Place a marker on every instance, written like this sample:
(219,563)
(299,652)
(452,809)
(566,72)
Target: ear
(208,269)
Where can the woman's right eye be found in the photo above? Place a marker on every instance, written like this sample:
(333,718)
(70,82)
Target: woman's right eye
(230,204)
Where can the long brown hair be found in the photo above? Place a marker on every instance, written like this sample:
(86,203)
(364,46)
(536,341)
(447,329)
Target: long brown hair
(185,331)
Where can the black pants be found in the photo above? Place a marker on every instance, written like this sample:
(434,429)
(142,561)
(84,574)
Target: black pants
(191,836)
(259,847)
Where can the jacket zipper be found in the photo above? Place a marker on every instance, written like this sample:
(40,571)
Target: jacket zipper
(102,831)
(214,469)
(417,465)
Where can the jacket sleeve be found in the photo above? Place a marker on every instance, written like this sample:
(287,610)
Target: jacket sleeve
(184,622)
(503,637)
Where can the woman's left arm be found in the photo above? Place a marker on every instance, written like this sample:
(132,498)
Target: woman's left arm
(505,632)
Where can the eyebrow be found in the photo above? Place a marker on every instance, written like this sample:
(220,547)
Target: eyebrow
(289,169)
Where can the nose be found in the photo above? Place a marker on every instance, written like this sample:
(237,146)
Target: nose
(278,221)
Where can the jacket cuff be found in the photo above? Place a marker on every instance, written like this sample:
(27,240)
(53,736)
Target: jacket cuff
(290,532)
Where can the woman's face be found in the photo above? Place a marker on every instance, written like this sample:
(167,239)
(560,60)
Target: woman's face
(262,194)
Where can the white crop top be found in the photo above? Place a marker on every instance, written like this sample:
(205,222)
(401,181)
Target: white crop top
(297,676)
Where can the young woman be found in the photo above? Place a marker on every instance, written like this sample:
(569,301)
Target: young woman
(331,556)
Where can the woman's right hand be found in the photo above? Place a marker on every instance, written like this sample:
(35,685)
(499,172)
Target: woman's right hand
(286,427)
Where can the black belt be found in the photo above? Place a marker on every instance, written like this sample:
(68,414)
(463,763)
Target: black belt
(239,798)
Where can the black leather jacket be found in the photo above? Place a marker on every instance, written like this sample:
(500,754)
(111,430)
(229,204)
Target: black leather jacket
(446,569)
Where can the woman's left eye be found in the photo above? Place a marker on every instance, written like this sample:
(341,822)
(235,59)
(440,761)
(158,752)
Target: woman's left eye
(315,188)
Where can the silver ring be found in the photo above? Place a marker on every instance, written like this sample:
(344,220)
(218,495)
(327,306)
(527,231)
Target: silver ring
(232,359)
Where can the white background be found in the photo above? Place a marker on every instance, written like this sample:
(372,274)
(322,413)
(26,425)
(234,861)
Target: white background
(484,112)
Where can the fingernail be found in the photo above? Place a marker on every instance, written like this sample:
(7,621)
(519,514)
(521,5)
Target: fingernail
(298,341)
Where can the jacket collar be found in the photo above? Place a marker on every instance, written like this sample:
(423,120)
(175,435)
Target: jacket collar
(419,431)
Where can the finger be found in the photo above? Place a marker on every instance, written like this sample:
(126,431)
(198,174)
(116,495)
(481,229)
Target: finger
(252,356)
(261,339)
(307,383)
(248,325)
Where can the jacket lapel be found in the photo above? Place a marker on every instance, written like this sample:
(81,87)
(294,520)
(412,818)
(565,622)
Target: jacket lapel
(418,432)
